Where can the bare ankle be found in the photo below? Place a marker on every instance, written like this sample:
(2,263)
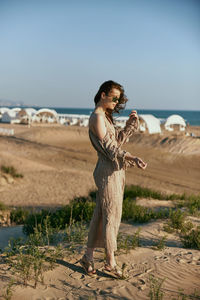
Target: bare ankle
(89,254)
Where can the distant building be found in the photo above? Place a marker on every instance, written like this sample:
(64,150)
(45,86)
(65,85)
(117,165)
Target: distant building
(149,123)
(10,117)
(46,115)
(26,115)
(175,122)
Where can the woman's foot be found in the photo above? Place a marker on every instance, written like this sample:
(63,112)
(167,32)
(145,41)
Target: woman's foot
(115,271)
(88,266)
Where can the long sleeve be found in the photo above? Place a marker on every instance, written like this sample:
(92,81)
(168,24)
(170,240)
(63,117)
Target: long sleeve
(123,135)
(111,150)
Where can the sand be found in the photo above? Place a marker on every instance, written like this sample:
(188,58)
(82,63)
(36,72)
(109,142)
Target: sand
(57,163)
(179,267)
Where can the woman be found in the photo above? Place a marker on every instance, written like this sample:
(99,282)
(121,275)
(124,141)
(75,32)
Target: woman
(109,174)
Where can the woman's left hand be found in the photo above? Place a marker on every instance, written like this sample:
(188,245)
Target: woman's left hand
(133,116)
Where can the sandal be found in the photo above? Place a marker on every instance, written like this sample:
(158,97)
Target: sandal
(115,272)
(88,264)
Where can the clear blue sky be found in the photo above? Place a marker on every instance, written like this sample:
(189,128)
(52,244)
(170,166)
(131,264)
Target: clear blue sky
(57,53)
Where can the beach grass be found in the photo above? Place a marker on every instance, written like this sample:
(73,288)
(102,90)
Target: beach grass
(80,210)
(11,171)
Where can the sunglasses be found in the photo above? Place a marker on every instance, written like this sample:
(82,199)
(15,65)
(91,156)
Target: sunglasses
(115,99)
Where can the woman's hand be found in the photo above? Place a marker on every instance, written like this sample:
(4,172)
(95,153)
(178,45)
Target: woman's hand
(136,160)
(133,116)
(140,163)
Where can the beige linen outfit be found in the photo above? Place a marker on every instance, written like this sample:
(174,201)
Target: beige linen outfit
(109,176)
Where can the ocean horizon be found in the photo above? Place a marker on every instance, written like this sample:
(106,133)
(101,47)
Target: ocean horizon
(191,117)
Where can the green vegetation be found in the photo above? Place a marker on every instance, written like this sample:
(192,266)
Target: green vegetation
(3,206)
(137,213)
(155,292)
(10,170)
(7,295)
(128,242)
(160,244)
(134,191)
(83,207)
(176,221)
(28,260)
(191,238)
(75,234)
(80,209)
(189,235)
(18,215)
(192,202)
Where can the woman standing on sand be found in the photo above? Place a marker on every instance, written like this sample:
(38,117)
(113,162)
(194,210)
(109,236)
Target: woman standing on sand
(109,174)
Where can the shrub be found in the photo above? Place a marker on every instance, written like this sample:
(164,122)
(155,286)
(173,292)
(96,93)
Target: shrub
(10,170)
(33,220)
(177,222)
(30,259)
(177,219)
(127,242)
(160,243)
(193,204)
(191,238)
(155,292)
(136,213)
(19,215)
(79,209)
(134,191)
(75,235)
(190,201)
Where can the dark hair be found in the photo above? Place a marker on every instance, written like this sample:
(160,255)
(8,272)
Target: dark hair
(106,87)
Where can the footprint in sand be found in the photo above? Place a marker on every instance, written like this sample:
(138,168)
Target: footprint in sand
(188,258)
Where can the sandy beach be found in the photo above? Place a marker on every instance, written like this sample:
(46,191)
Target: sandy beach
(57,163)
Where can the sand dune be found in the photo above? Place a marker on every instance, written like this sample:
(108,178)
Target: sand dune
(57,163)
(178,267)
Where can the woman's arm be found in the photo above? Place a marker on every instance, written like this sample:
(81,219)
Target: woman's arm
(131,126)
(98,126)
(110,148)
(138,161)
(107,145)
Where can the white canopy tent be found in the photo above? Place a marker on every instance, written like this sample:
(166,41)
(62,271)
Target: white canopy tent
(10,116)
(4,109)
(175,120)
(15,109)
(26,115)
(149,122)
(46,115)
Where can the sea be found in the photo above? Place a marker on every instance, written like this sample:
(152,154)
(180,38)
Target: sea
(191,117)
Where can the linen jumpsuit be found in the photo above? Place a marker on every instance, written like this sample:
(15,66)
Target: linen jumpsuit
(109,177)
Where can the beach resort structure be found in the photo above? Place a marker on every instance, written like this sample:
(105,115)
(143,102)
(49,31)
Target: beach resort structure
(26,114)
(73,119)
(149,123)
(175,122)
(10,116)
(45,115)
